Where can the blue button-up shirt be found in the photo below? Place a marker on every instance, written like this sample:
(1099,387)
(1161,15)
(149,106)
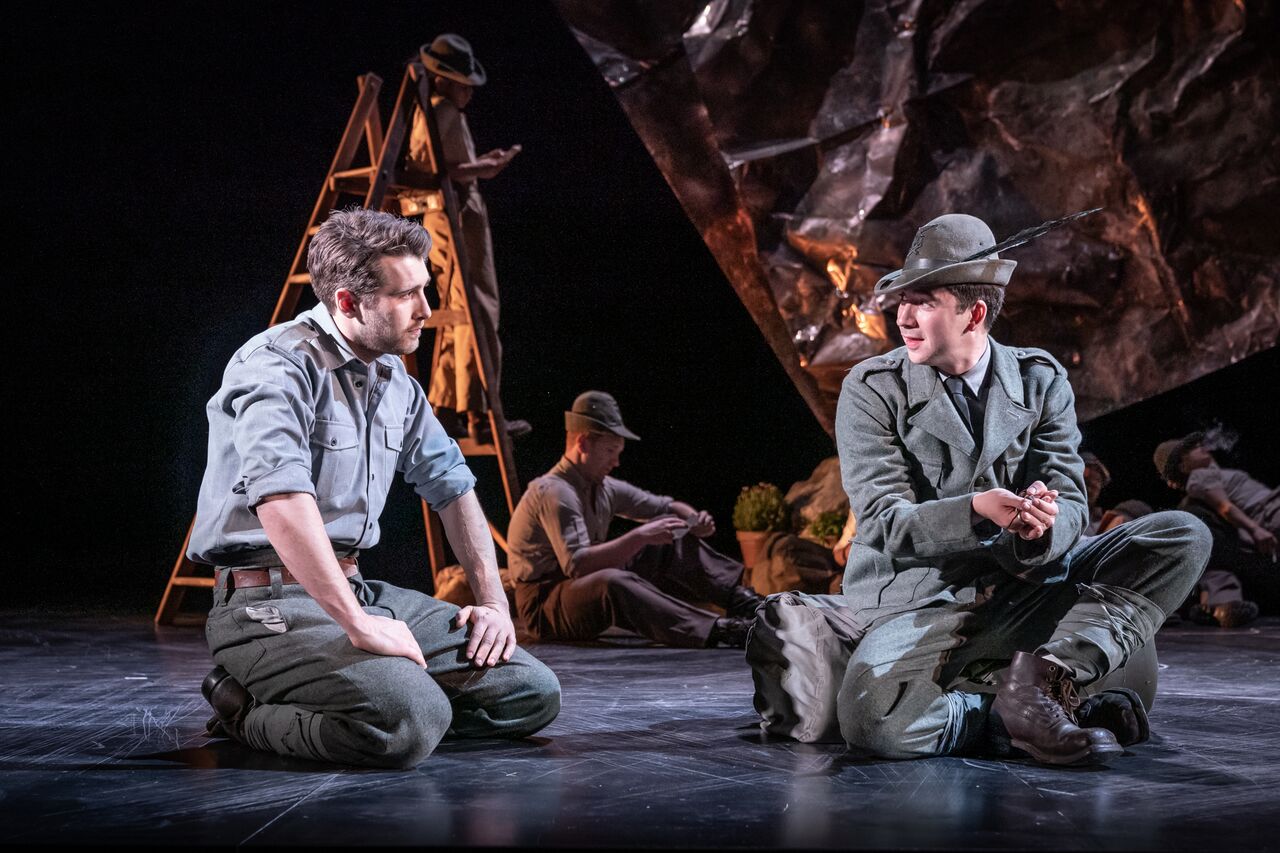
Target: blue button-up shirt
(299,412)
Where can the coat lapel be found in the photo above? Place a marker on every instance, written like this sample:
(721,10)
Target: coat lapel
(1006,415)
(938,417)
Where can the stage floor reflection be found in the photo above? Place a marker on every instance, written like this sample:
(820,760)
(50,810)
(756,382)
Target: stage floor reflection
(101,741)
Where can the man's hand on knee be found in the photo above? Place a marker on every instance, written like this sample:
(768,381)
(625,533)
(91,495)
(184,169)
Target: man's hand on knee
(382,636)
(493,636)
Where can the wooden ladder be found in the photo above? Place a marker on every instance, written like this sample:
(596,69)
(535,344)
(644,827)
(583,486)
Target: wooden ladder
(381,183)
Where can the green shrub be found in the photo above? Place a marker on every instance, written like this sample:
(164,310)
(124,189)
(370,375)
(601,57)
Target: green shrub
(761,508)
(827,525)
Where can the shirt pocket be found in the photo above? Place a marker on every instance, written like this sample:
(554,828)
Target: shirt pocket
(335,460)
(392,446)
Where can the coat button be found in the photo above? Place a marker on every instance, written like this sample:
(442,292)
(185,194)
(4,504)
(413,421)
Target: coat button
(333,442)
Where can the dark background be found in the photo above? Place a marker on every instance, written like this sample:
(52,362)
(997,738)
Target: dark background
(164,164)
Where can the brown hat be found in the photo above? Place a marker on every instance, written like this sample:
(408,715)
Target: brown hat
(596,411)
(450,56)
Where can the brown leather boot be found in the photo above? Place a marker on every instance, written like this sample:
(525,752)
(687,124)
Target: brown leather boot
(1037,702)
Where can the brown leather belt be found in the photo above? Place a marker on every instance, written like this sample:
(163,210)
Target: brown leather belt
(249,578)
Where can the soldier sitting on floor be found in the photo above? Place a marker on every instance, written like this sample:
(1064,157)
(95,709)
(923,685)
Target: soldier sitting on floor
(573,582)
(960,459)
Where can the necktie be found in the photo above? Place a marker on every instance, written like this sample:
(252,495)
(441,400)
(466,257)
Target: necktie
(959,395)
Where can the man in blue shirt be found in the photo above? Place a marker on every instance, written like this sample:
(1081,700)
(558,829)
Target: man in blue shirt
(313,419)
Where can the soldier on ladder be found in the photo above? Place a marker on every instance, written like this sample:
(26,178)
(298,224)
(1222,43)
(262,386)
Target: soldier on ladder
(456,391)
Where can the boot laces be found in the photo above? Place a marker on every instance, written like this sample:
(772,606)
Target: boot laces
(1063,693)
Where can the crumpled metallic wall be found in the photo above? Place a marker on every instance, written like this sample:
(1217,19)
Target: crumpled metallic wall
(808,139)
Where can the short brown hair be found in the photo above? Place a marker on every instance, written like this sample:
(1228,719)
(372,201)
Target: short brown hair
(968,295)
(345,252)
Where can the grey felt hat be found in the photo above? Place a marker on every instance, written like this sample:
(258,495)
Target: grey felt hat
(450,56)
(596,411)
(937,257)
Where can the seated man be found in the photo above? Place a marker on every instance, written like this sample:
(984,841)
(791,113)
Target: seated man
(313,420)
(573,582)
(960,459)
(1244,517)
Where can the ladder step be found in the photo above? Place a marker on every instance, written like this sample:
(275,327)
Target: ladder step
(207,583)
(356,181)
(299,278)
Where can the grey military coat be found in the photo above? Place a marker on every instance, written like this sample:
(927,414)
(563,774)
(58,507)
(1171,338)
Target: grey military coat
(911,467)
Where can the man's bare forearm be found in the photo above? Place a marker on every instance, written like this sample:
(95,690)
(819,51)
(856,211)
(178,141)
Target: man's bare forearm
(607,555)
(295,529)
(472,543)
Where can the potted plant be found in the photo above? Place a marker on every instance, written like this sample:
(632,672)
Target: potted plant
(827,527)
(759,511)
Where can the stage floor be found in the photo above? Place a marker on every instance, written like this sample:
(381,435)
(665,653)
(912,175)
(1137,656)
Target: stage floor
(101,741)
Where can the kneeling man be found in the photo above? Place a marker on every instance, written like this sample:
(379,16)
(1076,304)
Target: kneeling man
(313,420)
(960,459)
(573,582)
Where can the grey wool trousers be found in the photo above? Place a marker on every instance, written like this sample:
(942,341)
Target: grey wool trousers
(918,683)
(323,699)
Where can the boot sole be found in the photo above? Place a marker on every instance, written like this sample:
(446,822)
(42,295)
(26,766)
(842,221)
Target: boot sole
(1086,757)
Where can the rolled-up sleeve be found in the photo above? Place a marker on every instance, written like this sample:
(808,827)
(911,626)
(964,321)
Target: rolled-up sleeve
(562,522)
(635,503)
(430,460)
(265,395)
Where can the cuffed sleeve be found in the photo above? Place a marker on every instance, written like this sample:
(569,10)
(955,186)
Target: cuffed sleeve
(877,478)
(429,459)
(634,502)
(564,525)
(265,396)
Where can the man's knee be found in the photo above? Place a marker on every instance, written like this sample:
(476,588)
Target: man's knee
(874,717)
(542,689)
(1180,531)
(407,725)
(617,583)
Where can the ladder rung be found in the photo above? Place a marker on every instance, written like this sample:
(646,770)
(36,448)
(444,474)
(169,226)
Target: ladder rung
(354,181)
(362,172)
(207,583)
(443,317)
(299,278)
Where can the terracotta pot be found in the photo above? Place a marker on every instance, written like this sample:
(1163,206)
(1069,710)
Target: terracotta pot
(750,542)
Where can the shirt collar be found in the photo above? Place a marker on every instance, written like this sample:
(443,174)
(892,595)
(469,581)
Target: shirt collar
(569,472)
(321,317)
(974,376)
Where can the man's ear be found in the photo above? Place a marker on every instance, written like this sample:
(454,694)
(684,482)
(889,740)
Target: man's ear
(346,302)
(977,316)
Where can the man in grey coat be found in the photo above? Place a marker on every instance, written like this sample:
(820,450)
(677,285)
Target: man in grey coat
(960,459)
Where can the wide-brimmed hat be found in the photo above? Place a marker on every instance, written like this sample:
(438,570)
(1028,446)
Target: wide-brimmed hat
(1168,455)
(596,411)
(450,56)
(938,257)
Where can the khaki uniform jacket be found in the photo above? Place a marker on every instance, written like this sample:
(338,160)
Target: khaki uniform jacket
(911,468)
